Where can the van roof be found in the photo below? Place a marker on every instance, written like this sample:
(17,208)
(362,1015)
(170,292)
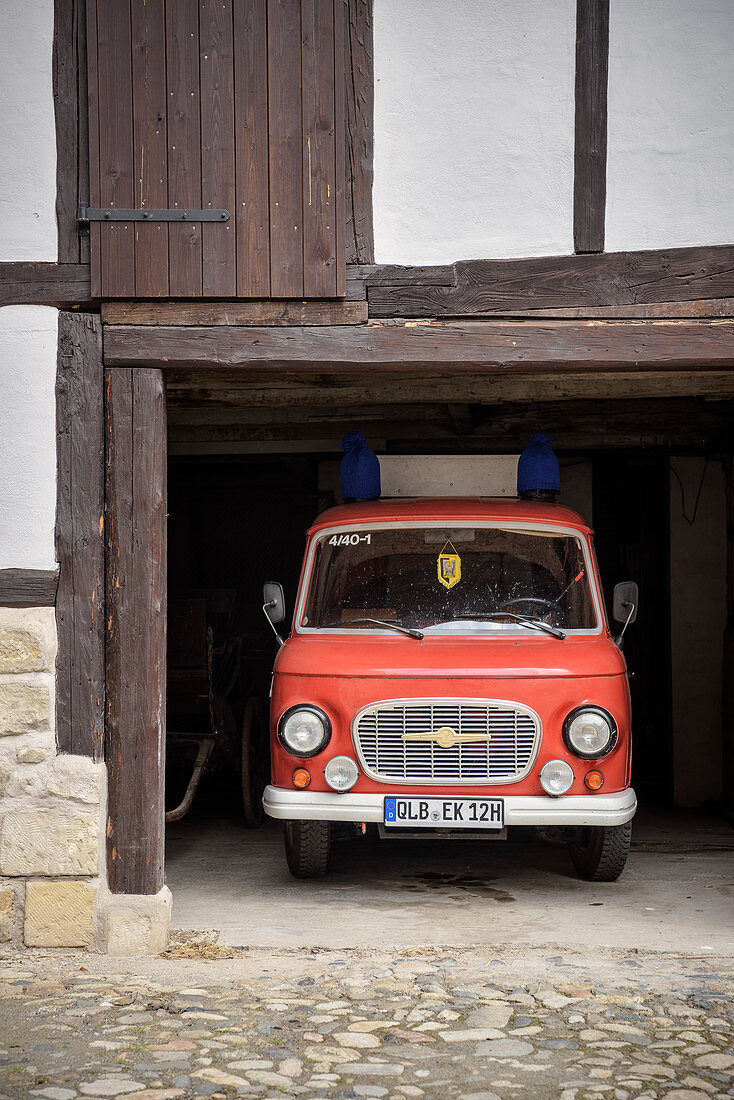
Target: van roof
(452,510)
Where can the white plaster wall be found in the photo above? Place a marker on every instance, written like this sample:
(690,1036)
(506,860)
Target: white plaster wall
(27,132)
(28,338)
(697,620)
(474,128)
(670,160)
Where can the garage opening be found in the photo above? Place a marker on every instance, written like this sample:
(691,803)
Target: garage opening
(245,484)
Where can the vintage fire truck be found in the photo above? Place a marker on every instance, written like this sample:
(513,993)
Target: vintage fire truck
(450,668)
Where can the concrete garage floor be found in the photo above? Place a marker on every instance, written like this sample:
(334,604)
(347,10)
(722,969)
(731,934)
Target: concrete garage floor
(676,894)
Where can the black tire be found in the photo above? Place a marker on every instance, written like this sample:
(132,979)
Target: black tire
(307,845)
(255,762)
(603,856)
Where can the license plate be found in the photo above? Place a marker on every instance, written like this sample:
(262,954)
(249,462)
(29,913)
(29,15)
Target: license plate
(455,813)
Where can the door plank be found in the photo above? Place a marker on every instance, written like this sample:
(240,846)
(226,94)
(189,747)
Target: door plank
(339,181)
(184,145)
(217,145)
(251,143)
(116,146)
(285,148)
(95,234)
(319,152)
(359,84)
(150,145)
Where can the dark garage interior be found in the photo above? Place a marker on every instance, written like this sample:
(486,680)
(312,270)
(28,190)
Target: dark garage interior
(241,496)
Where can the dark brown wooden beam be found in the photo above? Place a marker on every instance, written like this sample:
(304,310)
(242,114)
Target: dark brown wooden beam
(524,347)
(80,670)
(135,495)
(590,147)
(481,288)
(69,69)
(224,391)
(270,311)
(42,284)
(28,587)
(573,425)
(646,311)
(359,102)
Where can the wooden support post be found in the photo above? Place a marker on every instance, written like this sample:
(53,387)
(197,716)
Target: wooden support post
(80,536)
(728,663)
(135,503)
(590,150)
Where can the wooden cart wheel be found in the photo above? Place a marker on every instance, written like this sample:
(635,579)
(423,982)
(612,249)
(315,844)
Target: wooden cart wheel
(255,762)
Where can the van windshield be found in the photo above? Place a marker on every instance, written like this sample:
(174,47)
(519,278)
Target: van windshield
(448,580)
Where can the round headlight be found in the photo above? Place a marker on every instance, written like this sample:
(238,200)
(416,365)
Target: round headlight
(590,732)
(556,777)
(304,730)
(341,773)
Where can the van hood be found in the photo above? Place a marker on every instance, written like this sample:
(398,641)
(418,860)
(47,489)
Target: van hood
(538,655)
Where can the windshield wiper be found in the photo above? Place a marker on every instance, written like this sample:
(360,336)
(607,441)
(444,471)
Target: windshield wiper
(383,622)
(534,624)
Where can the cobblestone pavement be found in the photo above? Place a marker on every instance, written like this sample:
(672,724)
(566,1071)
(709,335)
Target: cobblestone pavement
(413,1023)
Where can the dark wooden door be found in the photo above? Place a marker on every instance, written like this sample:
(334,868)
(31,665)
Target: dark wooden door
(233,105)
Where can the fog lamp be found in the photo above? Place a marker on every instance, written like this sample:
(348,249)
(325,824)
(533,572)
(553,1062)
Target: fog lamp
(594,780)
(341,773)
(556,777)
(301,778)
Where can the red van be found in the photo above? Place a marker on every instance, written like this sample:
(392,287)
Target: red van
(450,667)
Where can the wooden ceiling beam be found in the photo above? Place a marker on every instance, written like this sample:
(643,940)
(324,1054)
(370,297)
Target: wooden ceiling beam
(229,390)
(501,347)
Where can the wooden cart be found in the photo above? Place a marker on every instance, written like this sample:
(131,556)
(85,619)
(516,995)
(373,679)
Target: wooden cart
(215,698)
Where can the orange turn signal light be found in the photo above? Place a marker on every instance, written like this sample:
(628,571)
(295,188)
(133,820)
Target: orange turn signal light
(594,780)
(301,778)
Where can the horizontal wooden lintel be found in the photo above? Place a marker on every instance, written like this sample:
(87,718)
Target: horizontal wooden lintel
(519,347)
(45,284)
(488,287)
(28,587)
(676,282)
(267,311)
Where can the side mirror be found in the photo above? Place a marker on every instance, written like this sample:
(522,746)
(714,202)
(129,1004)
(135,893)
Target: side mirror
(274,601)
(624,606)
(274,606)
(626,601)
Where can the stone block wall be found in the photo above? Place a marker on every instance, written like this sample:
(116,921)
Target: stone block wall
(53,809)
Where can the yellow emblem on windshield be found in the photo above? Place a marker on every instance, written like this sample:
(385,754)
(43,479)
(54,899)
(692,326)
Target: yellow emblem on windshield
(449,566)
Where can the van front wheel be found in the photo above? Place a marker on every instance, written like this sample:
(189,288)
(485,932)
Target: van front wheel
(307,845)
(602,856)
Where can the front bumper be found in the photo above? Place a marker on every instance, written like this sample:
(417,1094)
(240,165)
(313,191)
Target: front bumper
(599,809)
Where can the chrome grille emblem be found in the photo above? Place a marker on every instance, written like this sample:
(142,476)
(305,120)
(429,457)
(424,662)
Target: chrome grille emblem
(446,738)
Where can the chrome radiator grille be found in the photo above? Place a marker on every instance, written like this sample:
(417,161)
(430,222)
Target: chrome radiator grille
(398,740)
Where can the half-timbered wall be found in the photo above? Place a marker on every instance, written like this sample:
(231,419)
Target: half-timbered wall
(27,133)
(28,437)
(670,161)
(218,105)
(27,333)
(474,129)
